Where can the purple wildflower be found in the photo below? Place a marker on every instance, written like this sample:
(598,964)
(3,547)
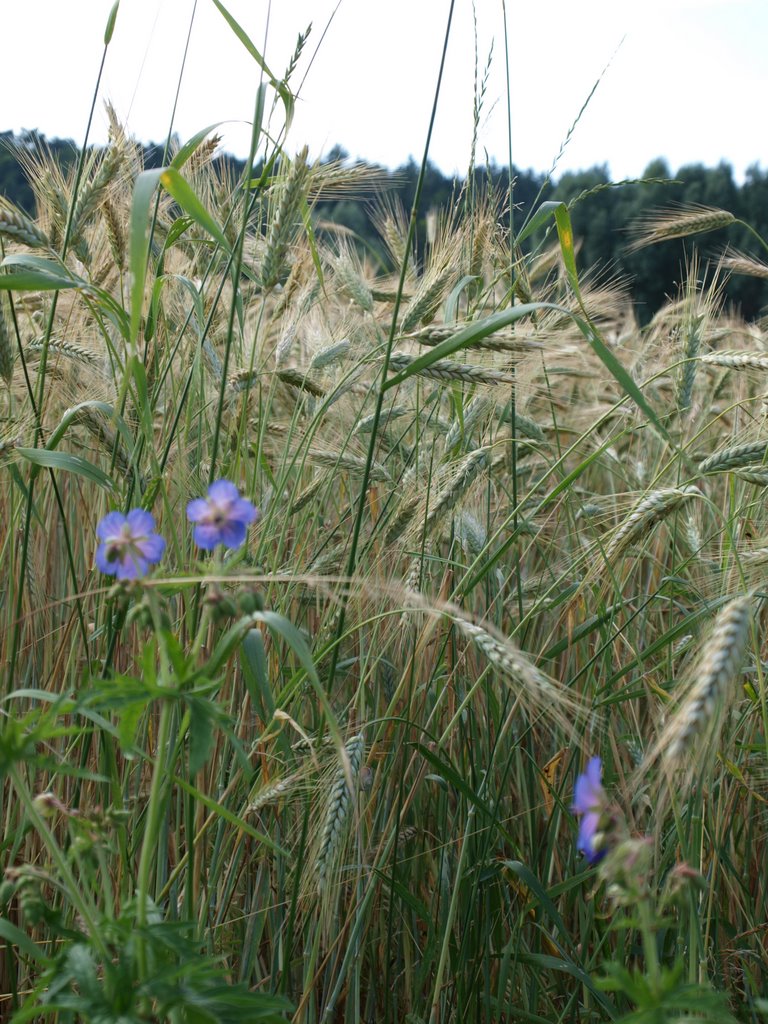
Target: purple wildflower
(222,517)
(129,544)
(589,804)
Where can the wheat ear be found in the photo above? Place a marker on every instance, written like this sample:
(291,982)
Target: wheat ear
(18,225)
(339,803)
(702,710)
(735,458)
(655,507)
(447,369)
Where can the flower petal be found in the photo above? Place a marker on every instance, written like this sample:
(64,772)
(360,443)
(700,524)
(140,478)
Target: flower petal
(223,491)
(111,525)
(103,564)
(197,509)
(232,533)
(151,548)
(244,511)
(207,536)
(141,522)
(131,566)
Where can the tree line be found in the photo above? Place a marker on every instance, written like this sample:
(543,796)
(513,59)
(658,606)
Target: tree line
(603,213)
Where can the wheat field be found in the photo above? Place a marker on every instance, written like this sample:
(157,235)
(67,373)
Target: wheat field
(327,774)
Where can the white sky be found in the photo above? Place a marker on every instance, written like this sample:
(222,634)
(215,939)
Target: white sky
(689,82)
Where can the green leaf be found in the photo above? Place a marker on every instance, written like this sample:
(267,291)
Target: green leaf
(253,658)
(565,234)
(469,335)
(18,938)
(452,302)
(200,734)
(543,213)
(43,458)
(34,281)
(143,191)
(189,148)
(280,87)
(223,812)
(174,182)
(526,876)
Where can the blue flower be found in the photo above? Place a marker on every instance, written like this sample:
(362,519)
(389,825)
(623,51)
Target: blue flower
(129,544)
(589,803)
(222,517)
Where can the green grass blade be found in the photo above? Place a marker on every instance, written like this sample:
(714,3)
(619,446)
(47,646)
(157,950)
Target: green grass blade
(174,182)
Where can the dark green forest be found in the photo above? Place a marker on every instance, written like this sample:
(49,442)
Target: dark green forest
(603,213)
